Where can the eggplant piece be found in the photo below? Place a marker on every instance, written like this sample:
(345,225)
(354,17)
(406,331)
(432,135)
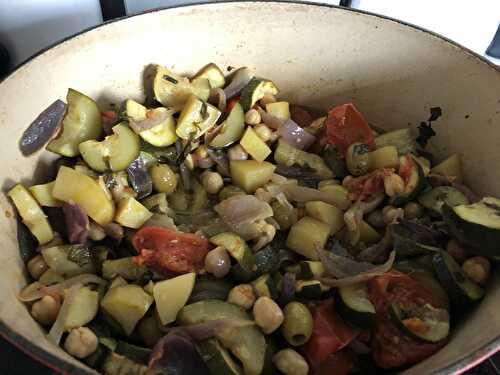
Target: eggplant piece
(77,223)
(42,128)
(209,287)
(27,241)
(410,238)
(476,225)
(139,177)
(176,354)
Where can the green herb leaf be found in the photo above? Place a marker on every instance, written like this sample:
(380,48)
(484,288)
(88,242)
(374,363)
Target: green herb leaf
(80,254)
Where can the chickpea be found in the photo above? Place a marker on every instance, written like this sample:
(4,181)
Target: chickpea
(358,159)
(477,269)
(413,210)
(96,232)
(252,117)
(267,99)
(81,342)
(391,214)
(217,262)
(393,185)
(263,132)
(164,179)
(456,251)
(267,314)
(376,219)
(212,182)
(45,311)
(237,153)
(37,266)
(242,295)
(289,362)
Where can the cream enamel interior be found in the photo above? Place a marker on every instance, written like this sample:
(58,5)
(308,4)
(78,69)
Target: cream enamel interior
(317,55)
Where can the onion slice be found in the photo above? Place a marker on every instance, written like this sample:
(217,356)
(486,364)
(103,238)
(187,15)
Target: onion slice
(77,223)
(57,329)
(296,136)
(153,118)
(218,98)
(241,77)
(271,121)
(42,128)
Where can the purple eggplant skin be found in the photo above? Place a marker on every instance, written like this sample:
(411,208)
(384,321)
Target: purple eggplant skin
(139,178)
(77,223)
(42,128)
(176,354)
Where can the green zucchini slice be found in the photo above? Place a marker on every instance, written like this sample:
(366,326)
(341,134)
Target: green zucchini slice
(255,90)
(435,199)
(217,358)
(354,305)
(310,289)
(237,248)
(265,286)
(214,75)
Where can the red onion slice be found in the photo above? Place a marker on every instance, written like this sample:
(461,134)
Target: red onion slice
(42,128)
(218,98)
(77,223)
(270,120)
(153,118)
(240,79)
(295,135)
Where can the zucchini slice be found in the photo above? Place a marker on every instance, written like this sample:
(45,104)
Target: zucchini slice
(435,199)
(217,358)
(310,289)
(307,269)
(403,139)
(355,306)
(451,167)
(476,225)
(255,90)
(460,289)
(196,118)
(238,249)
(425,323)
(214,75)
(209,287)
(265,286)
(415,184)
(267,260)
(232,128)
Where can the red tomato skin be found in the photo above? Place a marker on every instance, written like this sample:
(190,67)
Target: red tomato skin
(167,251)
(365,186)
(345,125)
(339,363)
(391,347)
(330,334)
(231,103)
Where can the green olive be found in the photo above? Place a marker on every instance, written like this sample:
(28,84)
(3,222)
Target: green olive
(286,216)
(298,324)
(149,330)
(230,191)
(413,210)
(164,179)
(358,159)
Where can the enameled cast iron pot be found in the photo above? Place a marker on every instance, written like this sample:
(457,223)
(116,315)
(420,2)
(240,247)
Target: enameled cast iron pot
(318,55)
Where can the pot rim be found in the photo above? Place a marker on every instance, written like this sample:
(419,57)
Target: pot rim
(61,366)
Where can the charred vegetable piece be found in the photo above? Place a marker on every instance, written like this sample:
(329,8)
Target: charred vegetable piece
(31,213)
(42,128)
(83,190)
(81,123)
(476,225)
(114,153)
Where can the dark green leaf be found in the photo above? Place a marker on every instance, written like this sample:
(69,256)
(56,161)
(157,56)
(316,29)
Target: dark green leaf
(80,254)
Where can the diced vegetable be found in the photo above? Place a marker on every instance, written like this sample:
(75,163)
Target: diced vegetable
(451,167)
(115,152)
(130,213)
(310,289)
(69,260)
(306,236)
(442,195)
(117,281)
(280,110)
(81,189)
(246,343)
(327,214)
(81,123)
(255,146)
(251,174)
(217,358)
(264,286)
(196,118)
(43,195)
(122,267)
(403,139)
(126,304)
(288,155)
(384,157)
(31,213)
(83,309)
(476,225)
(214,75)
(237,248)
(231,129)
(339,194)
(460,289)
(171,295)
(172,90)
(50,277)
(255,90)
(354,305)
(209,287)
